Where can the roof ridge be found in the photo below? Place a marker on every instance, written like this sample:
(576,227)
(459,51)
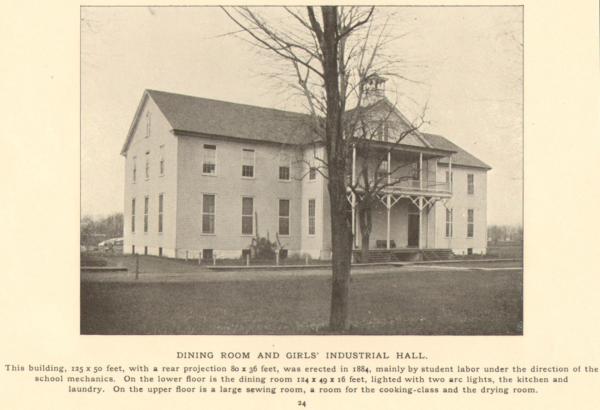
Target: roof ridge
(150,90)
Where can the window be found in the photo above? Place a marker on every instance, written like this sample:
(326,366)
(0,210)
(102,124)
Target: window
(311,216)
(133,215)
(147,164)
(416,170)
(160,212)
(381,132)
(449,217)
(284,217)
(470,223)
(133,249)
(208,213)
(382,172)
(247,216)
(207,254)
(162,161)
(148,123)
(284,167)
(145,250)
(312,173)
(134,169)
(284,173)
(248,163)
(470,184)
(160,251)
(449,180)
(209,162)
(146,200)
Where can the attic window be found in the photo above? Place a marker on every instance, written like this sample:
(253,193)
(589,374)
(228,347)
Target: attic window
(382,132)
(134,169)
(162,160)
(147,166)
(284,167)
(248,158)
(148,123)
(209,164)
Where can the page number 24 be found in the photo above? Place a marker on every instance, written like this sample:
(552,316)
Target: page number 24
(301,403)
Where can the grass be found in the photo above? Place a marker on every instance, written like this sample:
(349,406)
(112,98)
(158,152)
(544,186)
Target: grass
(406,302)
(477,264)
(154,264)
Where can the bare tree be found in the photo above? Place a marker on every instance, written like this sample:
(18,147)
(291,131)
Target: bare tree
(327,53)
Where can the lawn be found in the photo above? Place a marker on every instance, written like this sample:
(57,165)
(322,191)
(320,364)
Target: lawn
(474,264)
(403,302)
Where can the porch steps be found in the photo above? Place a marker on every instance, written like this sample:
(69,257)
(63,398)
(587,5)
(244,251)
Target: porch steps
(387,255)
(437,254)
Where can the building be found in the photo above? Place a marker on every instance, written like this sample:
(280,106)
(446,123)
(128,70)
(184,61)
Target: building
(202,176)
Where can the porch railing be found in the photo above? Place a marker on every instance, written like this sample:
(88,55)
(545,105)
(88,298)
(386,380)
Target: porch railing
(414,184)
(410,184)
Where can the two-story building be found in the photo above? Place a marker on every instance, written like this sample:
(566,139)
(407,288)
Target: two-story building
(202,176)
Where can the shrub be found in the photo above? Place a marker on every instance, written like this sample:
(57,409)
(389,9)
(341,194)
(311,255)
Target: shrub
(264,249)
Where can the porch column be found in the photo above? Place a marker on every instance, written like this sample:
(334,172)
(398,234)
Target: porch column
(353,164)
(353,196)
(421,201)
(420,222)
(388,206)
(388,200)
(389,166)
(451,185)
(420,170)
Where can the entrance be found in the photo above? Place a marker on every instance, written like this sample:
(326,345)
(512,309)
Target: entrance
(413,230)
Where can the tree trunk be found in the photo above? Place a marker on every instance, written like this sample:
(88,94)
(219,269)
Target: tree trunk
(341,238)
(365,230)
(364,247)
(341,247)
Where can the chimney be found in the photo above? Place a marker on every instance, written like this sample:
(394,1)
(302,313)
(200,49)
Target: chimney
(373,89)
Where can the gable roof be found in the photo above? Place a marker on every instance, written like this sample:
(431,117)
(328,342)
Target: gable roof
(221,118)
(392,109)
(196,115)
(461,157)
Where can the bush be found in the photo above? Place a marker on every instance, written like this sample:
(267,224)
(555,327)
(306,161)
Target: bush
(265,249)
(261,249)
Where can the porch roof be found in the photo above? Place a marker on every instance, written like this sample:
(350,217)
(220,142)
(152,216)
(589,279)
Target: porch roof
(460,156)
(433,151)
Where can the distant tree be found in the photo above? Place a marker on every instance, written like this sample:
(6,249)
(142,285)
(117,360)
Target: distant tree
(86,230)
(93,230)
(112,225)
(503,233)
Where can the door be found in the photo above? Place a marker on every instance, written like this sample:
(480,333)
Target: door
(413,230)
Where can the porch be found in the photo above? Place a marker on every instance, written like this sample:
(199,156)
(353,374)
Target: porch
(404,184)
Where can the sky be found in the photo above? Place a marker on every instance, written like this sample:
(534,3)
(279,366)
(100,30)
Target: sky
(464,63)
